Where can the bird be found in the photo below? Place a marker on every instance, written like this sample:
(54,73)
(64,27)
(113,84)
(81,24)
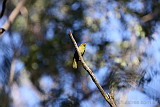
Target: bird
(81,49)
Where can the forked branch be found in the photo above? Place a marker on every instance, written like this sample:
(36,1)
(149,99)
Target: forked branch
(107,97)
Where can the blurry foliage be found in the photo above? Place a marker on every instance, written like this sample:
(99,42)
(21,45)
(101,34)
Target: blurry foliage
(5,99)
(48,50)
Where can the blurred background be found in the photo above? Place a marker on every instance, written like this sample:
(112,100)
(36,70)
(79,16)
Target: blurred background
(123,50)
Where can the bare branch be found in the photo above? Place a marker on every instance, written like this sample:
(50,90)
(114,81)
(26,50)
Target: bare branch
(14,14)
(12,71)
(107,97)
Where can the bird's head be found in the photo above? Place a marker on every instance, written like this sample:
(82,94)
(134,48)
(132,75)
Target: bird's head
(84,44)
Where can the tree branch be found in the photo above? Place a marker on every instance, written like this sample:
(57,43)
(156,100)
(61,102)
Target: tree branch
(12,71)
(14,14)
(107,97)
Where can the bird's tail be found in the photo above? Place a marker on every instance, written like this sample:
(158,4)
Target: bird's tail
(74,63)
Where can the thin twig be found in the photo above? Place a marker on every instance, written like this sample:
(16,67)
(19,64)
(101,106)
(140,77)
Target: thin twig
(107,97)
(14,14)
(12,71)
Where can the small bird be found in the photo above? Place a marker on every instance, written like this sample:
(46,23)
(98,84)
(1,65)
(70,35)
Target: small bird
(81,49)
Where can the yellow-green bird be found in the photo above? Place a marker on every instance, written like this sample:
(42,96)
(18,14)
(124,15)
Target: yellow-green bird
(81,49)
